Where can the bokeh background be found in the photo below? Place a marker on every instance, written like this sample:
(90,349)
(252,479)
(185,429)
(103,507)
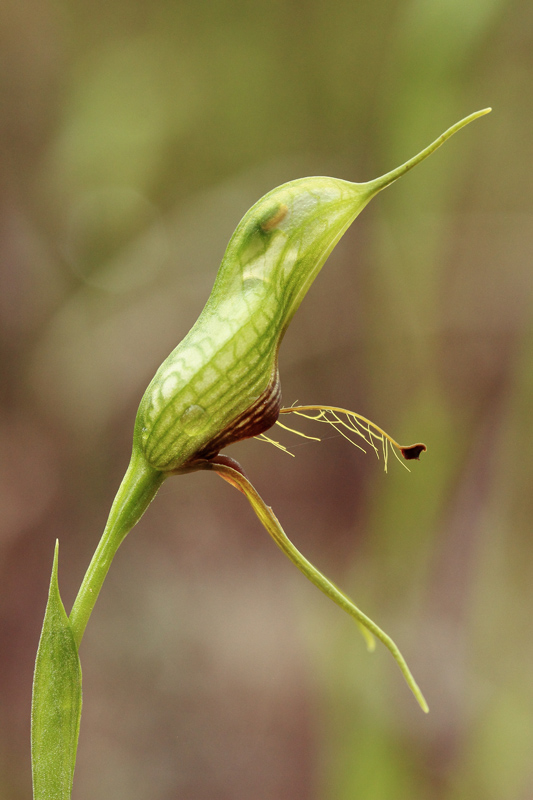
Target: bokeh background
(134,136)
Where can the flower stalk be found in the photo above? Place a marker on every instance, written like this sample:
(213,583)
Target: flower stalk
(137,490)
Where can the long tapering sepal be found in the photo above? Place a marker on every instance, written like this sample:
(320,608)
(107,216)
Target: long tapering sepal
(230,471)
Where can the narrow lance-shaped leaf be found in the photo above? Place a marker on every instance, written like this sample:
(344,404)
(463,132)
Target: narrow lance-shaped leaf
(56,705)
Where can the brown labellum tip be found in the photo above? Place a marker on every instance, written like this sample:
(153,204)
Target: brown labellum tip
(413,451)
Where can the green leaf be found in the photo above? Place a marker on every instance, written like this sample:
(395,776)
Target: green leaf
(56,705)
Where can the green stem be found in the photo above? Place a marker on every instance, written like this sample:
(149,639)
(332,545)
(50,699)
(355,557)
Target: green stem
(137,490)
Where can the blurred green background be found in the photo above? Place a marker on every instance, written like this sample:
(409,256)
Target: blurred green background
(134,136)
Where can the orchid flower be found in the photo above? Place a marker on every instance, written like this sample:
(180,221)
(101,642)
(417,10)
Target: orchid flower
(220,385)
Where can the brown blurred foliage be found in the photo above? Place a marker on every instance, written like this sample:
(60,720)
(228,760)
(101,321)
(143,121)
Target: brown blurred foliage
(133,137)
